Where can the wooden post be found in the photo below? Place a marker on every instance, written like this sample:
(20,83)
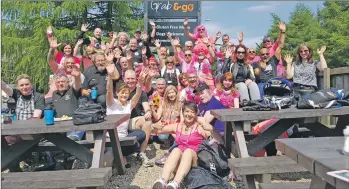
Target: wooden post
(327,84)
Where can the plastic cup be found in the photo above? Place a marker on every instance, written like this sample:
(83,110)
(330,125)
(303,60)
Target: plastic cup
(49,116)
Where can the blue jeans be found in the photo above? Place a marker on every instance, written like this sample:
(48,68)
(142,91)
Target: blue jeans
(128,150)
(261,89)
(163,137)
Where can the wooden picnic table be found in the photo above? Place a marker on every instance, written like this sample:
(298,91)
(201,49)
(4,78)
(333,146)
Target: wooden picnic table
(56,134)
(234,123)
(318,155)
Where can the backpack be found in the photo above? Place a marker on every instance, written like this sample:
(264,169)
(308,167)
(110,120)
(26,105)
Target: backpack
(89,113)
(278,93)
(200,178)
(322,99)
(212,157)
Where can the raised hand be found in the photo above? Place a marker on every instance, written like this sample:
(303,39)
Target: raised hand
(218,34)
(321,50)
(110,57)
(169,35)
(241,36)
(175,42)
(76,71)
(288,58)
(228,52)
(84,27)
(80,41)
(53,43)
(144,36)
(144,50)
(49,30)
(185,23)
(152,73)
(110,69)
(157,43)
(129,55)
(152,24)
(115,35)
(282,26)
(117,53)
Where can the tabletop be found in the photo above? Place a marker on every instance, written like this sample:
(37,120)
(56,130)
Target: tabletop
(39,126)
(240,115)
(318,155)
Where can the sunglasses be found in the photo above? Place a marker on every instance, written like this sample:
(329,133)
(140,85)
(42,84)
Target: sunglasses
(169,62)
(241,52)
(267,41)
(201,29)
(305,51)
(265,54)
(252,52)
(187,54)
(189,46)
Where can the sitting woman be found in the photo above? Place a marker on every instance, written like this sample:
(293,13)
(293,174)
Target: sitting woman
(243,75)
(122,105)
(189,135)
(303,71)
(168,113)
(226,91)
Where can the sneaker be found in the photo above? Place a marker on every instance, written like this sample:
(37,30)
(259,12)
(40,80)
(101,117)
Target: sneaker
(78,164)
(146,161)
(159,184)
(172,185)
(162,160)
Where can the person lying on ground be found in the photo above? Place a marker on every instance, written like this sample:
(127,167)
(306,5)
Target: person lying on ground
(189,134)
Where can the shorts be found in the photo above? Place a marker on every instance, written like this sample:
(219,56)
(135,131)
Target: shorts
(132,123)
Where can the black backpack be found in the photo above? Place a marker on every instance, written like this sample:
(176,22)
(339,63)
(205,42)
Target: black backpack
(200,178)
(212,157)
(88,113)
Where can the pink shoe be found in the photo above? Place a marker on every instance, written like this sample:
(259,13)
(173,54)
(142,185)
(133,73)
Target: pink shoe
(159,184)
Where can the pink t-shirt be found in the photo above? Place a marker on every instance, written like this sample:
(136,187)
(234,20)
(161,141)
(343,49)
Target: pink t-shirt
(226,97)
(255,59)
(281,71)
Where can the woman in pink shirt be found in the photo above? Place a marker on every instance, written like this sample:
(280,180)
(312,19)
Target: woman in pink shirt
(189,134)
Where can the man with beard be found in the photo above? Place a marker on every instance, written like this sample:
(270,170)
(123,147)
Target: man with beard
(29,104)
(266,68)
(97,76)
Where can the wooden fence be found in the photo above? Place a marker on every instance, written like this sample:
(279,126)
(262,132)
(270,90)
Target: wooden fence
(336,78)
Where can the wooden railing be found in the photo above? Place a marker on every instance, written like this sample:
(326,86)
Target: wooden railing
(336,78)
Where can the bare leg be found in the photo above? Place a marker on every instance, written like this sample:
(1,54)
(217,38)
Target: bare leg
(189,159)
(145,126)
(171,164)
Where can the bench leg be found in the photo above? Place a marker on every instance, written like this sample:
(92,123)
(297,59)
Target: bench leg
(228,138)
(242,152)
(98,150)
(318,183)
(341,124)
(118,157)
(265,178)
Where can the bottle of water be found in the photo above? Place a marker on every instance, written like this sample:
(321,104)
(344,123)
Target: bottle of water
(346,140)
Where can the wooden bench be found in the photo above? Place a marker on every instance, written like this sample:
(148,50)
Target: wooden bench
(124,141)
(264,165)
(288,185)
(96,177)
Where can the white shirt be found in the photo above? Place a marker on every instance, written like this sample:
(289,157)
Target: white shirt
(117,108)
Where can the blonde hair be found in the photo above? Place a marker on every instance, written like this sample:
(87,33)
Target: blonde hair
(23,76)
(167,104)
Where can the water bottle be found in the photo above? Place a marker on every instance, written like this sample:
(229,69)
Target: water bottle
(346,140)
(49,115)
(94,93)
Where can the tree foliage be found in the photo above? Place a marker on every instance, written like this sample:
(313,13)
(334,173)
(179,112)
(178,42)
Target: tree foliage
(24,43)
(328,26)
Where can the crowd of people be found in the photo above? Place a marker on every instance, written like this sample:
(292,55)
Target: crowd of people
(169,96)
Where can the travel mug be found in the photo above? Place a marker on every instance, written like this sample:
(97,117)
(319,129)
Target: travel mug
(49,116)
(94,93)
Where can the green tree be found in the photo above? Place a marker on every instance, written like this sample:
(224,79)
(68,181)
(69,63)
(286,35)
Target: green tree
(334,18)
(24,43)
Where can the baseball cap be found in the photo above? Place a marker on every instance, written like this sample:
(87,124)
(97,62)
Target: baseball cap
(138,31)
(201,87)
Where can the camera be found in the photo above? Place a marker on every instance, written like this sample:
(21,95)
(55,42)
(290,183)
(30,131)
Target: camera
(97,45)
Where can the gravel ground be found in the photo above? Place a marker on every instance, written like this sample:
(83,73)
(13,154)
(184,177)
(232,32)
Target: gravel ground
(139,177)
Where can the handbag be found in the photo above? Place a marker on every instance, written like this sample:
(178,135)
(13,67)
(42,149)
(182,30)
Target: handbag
(89,113)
